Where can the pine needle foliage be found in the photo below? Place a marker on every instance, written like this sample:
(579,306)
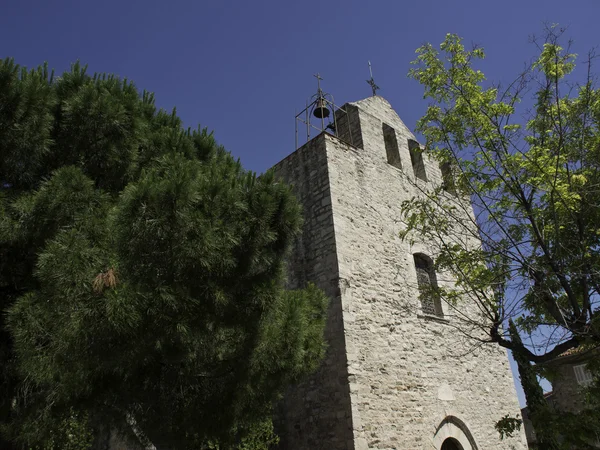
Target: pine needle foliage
(142,273)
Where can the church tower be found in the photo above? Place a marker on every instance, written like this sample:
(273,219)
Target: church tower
(397,374)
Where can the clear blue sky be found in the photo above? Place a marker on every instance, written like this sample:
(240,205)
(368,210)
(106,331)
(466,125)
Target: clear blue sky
(242,68)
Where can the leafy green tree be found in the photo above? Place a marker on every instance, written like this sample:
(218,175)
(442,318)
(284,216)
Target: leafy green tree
(142,271)
(527,156)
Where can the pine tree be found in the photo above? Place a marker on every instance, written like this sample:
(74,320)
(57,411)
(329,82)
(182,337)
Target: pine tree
(142,271)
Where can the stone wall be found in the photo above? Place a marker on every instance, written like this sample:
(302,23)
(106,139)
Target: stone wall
(407,371)
(348,125)
(400,379)
(316,414)
(566,391)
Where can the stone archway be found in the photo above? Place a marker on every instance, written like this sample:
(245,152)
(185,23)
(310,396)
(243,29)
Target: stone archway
(453,434)
(451,444)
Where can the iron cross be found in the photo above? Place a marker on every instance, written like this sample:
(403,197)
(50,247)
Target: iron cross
(371,82)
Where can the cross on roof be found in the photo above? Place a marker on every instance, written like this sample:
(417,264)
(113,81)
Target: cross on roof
(371,81)
(318,77)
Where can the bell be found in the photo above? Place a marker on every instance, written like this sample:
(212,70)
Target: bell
(321,111)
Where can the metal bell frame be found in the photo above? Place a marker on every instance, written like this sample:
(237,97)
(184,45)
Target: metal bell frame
(320,107)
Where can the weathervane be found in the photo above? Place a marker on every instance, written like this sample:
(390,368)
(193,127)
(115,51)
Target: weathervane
(371,82)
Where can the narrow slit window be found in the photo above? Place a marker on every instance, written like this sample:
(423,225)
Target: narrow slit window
(391,146)
(416,157)
(427,283)
(448,182)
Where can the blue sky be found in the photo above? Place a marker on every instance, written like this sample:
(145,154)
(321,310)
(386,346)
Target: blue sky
(243,68)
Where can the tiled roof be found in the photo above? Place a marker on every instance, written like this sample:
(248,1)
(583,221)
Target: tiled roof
(571,351)
(582,349)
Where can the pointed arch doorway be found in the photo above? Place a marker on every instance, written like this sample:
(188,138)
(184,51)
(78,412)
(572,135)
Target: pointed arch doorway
(453,434)
(451,444)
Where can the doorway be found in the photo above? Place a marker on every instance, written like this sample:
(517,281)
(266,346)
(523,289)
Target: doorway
(451,444)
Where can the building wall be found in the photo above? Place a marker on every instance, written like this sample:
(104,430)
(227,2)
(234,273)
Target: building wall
(566,391)
(316,413)
(412,379)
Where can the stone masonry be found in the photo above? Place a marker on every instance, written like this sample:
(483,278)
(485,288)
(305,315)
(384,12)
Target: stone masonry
(567,394)
(394,377)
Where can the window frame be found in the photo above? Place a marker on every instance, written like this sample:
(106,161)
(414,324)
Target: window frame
(392,149)
(417,161)
(448,179)
(428,299)
(583,375)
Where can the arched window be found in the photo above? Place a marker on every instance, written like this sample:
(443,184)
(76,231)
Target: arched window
(427,282)
(416,157)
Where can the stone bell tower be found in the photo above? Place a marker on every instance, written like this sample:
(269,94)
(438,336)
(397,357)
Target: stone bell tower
(395,375)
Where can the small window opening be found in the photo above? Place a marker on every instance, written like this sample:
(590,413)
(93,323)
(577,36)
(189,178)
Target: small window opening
(416,157)
(448,182)
(583,375)
(427,282)
(391,146)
